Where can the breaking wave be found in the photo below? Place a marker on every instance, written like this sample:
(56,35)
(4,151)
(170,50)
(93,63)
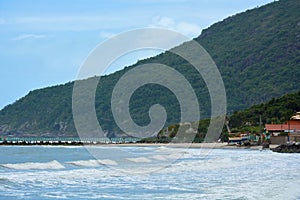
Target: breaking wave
(92,163)
(139,160)
(34,165)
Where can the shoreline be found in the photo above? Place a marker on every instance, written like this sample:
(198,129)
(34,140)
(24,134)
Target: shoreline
(172,145)
(192,145)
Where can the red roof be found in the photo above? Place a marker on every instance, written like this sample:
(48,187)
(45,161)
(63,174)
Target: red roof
(282,127)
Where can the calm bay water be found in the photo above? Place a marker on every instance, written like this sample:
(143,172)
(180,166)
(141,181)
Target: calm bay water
(37,172)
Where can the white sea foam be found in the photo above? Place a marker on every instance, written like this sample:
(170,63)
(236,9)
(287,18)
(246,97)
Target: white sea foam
(139,160)
(34,165)
(61,146)
(171,152)
(174,156)
(108,162)
(92,163)
(85,163)
(159,157)
(224,174)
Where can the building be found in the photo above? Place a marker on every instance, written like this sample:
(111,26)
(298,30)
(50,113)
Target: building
(289,131)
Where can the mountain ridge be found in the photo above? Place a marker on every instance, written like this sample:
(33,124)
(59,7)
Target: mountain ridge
(257,53)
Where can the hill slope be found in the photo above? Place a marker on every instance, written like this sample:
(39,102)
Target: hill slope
(257,53)
(275,111)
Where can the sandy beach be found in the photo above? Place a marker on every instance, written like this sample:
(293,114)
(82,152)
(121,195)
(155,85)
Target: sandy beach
(189,145)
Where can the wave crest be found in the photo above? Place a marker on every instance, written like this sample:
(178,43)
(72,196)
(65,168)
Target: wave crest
(34,165)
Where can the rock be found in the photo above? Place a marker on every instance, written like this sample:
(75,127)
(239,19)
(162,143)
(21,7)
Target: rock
(266,145)
(288,148)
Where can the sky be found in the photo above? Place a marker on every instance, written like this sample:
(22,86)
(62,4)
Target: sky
(44,43)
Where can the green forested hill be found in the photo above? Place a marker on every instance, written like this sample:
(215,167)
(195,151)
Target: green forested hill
(277,111)
(257,53)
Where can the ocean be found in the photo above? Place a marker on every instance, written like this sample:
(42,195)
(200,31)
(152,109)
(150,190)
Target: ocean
(142,173)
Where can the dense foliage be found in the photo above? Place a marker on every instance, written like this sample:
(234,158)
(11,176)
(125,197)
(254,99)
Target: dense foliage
(257,53)
(277,110)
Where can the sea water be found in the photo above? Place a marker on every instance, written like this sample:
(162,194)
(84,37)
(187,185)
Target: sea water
(45,172)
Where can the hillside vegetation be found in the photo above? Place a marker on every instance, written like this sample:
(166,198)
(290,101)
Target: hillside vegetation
(257,53)
(275,111)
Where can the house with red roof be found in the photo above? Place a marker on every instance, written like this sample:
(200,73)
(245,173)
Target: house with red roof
(291,128)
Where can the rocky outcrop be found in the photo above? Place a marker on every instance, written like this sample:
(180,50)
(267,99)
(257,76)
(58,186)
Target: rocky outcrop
(288,148)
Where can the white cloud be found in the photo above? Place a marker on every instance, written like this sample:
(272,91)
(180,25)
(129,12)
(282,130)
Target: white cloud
(164,22)
(28,36)
(185,28)
(189,29)
(103,22)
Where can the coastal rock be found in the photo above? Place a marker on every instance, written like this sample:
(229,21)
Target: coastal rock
(288,148)
(266,146)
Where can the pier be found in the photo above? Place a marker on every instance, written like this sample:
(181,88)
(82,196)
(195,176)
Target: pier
(64,141)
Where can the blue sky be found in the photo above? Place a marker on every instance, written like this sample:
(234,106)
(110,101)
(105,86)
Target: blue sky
(43,43)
